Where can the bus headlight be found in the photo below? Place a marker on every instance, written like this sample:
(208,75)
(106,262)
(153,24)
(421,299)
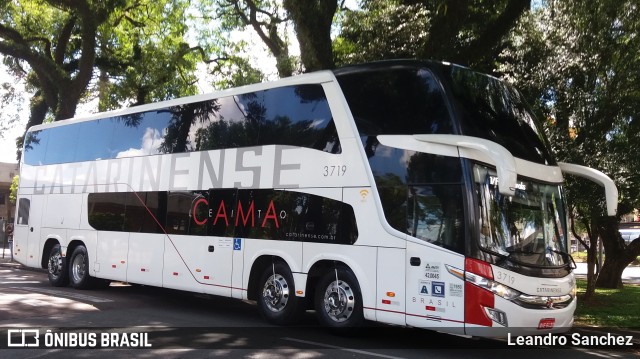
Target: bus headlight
(502,290)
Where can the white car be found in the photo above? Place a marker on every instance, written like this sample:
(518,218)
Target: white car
(629,234)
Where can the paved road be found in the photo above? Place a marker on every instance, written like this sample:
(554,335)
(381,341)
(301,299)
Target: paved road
(183,325)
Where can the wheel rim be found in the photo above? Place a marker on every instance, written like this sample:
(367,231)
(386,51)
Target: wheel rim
(339,301)
(275,293)
(55,265)
(78,269)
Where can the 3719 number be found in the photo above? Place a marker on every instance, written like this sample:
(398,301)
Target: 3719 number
(334,171)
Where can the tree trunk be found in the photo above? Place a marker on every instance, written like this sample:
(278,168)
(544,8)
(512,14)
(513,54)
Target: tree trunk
(591,264)
(591,259)
(312,20)
(611,273)
(617,254)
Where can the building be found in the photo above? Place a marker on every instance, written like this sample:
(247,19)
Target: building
(7,172)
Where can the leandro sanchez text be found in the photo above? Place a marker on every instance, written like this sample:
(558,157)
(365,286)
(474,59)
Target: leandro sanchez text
(575,339)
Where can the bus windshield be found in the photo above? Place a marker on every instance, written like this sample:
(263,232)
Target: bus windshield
(528,228)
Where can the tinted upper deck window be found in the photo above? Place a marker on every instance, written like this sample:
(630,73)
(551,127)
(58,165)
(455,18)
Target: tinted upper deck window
(293,116)
(398,101)
(491,109)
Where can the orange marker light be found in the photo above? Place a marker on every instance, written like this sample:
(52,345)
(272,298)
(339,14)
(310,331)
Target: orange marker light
(391,294)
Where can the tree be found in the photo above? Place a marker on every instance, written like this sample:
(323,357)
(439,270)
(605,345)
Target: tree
(267,20)
(312,20)
(579,62)
(57,40)
(466,32)
(137,47)
(13,190)
(143,55)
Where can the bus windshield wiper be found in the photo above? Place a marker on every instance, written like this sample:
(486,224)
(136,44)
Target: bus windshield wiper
(565,255)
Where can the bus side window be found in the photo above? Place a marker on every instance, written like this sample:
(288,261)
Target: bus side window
(106,211)
(24,206)
(435,214)
(142,212)
(187,213)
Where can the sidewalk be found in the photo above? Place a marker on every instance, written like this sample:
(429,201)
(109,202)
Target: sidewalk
(631,274)
(5,260)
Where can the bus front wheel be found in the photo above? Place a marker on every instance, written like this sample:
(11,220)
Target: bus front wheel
(79,269)
(338,300)
(277,301)
(57,268)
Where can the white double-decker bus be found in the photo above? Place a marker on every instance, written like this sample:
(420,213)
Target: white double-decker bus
(405,192)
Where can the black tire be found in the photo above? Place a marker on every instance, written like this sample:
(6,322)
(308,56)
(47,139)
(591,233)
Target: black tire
(277,300)
(339,307)
(79,269)
(57,268)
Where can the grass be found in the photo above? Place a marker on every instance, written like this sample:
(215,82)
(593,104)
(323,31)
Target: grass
(609,307)
(580,257)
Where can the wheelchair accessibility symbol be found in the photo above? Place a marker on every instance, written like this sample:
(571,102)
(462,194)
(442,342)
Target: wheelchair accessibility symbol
(237,244)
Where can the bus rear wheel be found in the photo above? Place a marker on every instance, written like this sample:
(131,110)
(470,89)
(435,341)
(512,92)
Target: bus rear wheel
(57,268)
(79,269)
(338,300)
(277,301)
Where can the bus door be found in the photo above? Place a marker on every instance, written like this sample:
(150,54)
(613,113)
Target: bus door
(219,247)
(434,263)
(435,289)
(106,213)
(35,221)
(21,230)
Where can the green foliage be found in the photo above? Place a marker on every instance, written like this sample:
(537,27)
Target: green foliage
(382,30)
(265,18)
(144,55)
(579,62)
(13,190)
(139,49)
(464,32)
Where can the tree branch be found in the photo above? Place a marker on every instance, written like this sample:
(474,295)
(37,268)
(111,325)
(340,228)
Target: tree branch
(63,40)
(445,27)
(485,44)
